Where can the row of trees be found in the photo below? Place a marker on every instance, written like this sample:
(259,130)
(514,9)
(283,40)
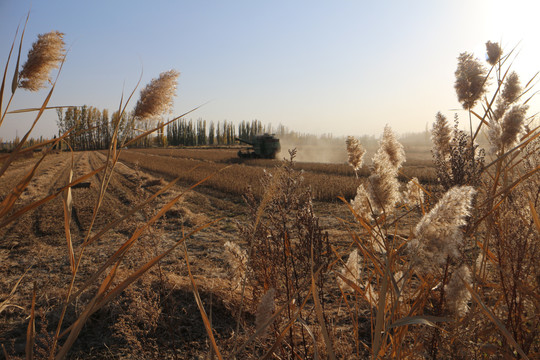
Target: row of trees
(92,129)
(189,133)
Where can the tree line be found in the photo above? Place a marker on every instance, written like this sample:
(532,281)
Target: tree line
(92,129)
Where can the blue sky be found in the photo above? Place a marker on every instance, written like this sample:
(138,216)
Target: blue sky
(341,67)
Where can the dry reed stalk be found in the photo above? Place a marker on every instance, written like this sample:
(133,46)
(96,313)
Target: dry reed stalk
(355,153)
(470,80)
(438,234)
(494,52)
(413,195)
(157,97)
(46,54)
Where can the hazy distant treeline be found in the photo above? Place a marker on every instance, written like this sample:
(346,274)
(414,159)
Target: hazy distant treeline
(92,129)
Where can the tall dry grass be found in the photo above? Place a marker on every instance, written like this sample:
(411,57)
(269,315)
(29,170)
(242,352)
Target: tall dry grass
(92,292)
(462,283)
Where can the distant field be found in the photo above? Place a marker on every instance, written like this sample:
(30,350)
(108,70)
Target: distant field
(328,181)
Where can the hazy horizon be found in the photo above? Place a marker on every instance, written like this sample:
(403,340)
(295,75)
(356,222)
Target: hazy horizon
(346,68)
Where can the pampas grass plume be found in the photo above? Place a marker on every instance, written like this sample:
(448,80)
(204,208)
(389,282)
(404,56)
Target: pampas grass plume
(457,295)
(512,88)
(441,134)
(494,52)
(470,80)
(438,234)
(360,203)
(512,125)
(351,271)
(264,311)
(413,193)
(237,259)
(157,97)
(356,153)
(392,147)
(46,54)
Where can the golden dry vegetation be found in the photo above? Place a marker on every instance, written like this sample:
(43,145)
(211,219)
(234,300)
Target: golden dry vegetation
(328,181)
(191,253)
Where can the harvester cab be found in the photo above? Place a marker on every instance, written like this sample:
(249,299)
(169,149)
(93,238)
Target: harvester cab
(262,147)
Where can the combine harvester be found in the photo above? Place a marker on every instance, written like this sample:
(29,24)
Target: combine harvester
(262,147)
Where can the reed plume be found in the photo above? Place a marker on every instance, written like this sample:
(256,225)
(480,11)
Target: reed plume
(512,88)
(511,91)
(356,153)
(494,52)
(382,190)
(512,125)
(360,203)
(392,147)
(457,295)
(441,134)
(470,82)
(383,185)
(438,234)
(264,311)
(238,261)
(157,97)
(351,271)
(45,55)
(504,135)
(413,194)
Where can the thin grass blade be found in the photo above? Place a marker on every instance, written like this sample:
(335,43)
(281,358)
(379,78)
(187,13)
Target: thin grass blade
(31,329)
(5,74)
(284,331)
(17,191)
(495,321)
(200,305)
(322,322)
(34,205)
(535,215)
(419,320)
(68,207)
(5,304)
(88,311)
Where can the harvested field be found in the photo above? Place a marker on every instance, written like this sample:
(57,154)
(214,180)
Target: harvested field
(35,242)
(328,181)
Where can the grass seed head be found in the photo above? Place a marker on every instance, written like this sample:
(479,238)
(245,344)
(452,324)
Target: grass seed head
(438,234)
(46,54)
(470,80)
(392,147)
(351,271)
(356,153)
(494,52)
(512,88)
(457,294)
(413,193)
(383,185)
(265,310)
(441,135)
(157,97)
(360,203)
(238,260)
(512,125)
